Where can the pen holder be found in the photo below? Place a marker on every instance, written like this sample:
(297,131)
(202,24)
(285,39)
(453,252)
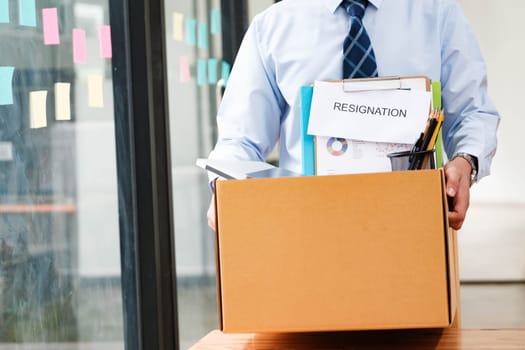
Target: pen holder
(410,160)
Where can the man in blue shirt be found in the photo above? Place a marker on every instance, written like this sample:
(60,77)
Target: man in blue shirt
(297,42)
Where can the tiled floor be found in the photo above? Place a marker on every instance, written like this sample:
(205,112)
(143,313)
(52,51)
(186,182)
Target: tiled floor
(198,313)
(493,305)
(483,306)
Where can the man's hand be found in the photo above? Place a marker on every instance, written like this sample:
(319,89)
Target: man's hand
(457,174)
(211,213)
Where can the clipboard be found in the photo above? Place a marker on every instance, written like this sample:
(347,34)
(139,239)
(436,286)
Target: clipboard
(417,82)
(311,144)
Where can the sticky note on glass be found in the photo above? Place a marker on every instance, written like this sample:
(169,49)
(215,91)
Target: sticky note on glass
(6,85)
(95,91)
(79,46)
(203,35)
(105,41)
(4,11)
(213,64)
(62,101)
(191,32)
(27,13)
(6,151)
(201,72)
(185,75)
(50,26)
(178,26)
(225,72)
(37,109)
(215,21)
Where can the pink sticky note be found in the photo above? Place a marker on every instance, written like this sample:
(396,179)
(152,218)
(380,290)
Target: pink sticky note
(50,25)
(105,41)
(184,69)
(79,46)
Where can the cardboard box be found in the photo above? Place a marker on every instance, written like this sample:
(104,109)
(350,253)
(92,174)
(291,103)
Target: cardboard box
(330,253)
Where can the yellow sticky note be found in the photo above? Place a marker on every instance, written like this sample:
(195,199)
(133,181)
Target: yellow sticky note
(62,101)
(95,91)
(37,109)
(178,26)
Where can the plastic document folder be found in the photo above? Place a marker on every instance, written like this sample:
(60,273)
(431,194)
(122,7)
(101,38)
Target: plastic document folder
(329,149)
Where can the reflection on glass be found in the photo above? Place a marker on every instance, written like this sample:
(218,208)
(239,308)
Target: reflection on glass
(197,72)
(59,234)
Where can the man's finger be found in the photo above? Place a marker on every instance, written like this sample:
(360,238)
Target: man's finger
(452,184)
(211,214)
(455,220)
(458,193)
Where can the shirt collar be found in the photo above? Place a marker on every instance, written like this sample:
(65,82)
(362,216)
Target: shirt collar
(332,5)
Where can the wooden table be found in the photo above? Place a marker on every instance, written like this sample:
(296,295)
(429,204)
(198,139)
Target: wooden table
(448,339)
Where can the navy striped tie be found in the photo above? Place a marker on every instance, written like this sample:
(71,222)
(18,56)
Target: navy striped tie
(359,60)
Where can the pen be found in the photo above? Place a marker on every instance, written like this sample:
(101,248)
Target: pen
(416,148)
(433,138)
(429,136)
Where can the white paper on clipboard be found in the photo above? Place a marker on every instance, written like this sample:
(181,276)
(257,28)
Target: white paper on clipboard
(393,115)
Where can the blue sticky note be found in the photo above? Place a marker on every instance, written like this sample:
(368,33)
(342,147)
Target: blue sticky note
(213,64)
(225,72)
(27,13)
(6,85)
(201,72)
(203,36)
(191,29)
(4,11)
(215,21)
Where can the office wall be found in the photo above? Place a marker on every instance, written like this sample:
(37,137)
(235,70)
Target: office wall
(254,7)
(493,239)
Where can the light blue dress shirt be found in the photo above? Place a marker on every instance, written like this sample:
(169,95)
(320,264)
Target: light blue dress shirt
(296,42)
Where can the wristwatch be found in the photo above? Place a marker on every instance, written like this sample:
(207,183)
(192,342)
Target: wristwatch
(473,161)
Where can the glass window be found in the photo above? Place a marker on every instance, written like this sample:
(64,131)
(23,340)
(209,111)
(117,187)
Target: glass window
(198,69)
(195,73)
(59,229)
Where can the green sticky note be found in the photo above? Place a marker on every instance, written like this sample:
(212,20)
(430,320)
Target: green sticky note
(191,29)
(225,72)
(213,64)
(215,21)
(201,72)
(6,85)
(27,13)
(4,11)
(203,36)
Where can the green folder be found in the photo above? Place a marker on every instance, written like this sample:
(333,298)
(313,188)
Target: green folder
(436,102)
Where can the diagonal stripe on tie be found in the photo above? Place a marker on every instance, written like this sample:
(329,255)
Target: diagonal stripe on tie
(358,55)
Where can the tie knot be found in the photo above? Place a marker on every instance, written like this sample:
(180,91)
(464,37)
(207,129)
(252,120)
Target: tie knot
(355,8)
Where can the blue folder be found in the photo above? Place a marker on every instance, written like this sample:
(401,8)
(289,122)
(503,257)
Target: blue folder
(308,144)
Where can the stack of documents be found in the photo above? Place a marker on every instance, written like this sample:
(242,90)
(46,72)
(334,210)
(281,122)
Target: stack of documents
(350,126)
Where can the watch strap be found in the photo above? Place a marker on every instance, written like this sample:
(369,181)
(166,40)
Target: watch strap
(473,161)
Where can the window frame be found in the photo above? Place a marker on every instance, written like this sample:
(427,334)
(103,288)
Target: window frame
(144,177)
